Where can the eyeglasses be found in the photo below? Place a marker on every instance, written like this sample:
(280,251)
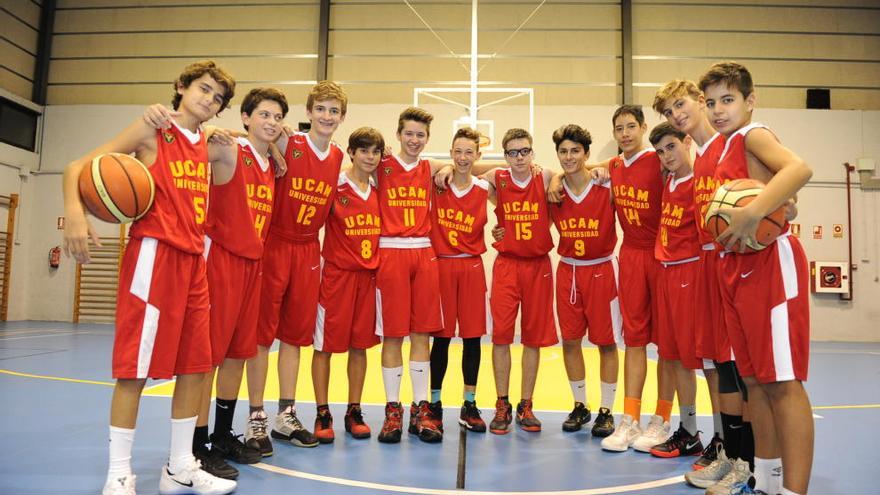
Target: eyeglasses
(520,152)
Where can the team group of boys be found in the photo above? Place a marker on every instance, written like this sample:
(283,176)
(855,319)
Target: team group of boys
(207,286)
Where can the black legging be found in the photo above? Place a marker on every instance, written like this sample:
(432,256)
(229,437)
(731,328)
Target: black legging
(470,361)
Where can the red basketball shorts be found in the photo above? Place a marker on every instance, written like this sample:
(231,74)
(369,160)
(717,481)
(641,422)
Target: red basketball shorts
(289,295)
(526,281)
(637,288)
(586,297)
(408,285)
(463,297)
(234,286)
(161,313)
(676,291)
(346,310)
(709,331)
(767,311)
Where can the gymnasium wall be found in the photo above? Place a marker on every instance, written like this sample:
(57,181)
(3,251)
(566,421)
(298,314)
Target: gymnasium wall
(20,22)
(825,138)
(120,52)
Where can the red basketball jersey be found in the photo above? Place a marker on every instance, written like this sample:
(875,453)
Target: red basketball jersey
(638,186)
(585,223)
(305,193)
(523,213)
(181,175)
(733,163)
(704,181)
(352,235)
(678,238)
(241,209)
(458,218)
(405,197)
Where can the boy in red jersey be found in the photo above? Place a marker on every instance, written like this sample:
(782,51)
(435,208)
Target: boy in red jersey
(522,275)
(683,105)
(162,310)
(292,262)
(408,281)
(347,304)
(677,248)
(765,293)
(586,278)
(637,185)
(458,216)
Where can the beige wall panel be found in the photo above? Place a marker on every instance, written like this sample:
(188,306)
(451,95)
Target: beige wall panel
(78,4)
(812,74)
(245,69)
(550,16)
(553,71)
(388,42)
(725,45)
(841,99)
(144,94)
(402,94)
(182,44)
(17,60)
(24,9)
(18,33)
(396,69)
(814,3)
(398,15)
(755,18)
(14,84)
(553,43)
(162,19)
(848,99)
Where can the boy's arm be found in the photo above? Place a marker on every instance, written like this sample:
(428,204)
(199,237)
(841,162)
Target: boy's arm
(223,158)
(790,174)
(136,138)
(490,178)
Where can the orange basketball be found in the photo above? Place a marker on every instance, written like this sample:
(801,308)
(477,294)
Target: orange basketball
(739,193)
(116,188)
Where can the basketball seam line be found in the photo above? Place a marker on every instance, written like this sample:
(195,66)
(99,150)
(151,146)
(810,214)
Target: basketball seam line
(130,183)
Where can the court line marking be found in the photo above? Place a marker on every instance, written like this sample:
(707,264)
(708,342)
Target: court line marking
(6,339)
(856,406)
(57,378)
(440,491)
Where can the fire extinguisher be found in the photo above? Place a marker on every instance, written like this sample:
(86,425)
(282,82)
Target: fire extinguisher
(54,257)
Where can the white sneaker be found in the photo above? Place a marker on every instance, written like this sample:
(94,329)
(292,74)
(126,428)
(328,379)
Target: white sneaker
(656,433)
(734,481)
(194,480)
(626,433)
(711,474)
(120,486)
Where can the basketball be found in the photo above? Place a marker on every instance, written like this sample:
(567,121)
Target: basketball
(739,193)
(116,188)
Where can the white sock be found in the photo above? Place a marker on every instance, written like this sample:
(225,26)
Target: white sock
(182,431)
(391,378)
(418,373)
(786,491)
(609,391)
(579,391)
(768,475)
(688,416)
(121,440)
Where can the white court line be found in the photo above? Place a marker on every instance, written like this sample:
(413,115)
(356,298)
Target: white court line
(439,491)
(2,339)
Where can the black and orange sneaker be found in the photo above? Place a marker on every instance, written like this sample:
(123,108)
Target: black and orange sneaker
(470,417)
(680,444)
(427,424)
(710,453)
(324,426)
(525,418)
(392,428)
(500,424)
(577,418)
(437,413)
(354,422)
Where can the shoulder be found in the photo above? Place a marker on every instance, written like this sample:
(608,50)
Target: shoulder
(481,183)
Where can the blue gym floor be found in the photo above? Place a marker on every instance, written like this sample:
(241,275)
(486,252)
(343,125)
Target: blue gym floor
(56,386)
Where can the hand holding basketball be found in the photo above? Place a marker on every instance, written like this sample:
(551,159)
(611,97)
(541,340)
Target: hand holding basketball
(742,230)
(734,224)
(116,188)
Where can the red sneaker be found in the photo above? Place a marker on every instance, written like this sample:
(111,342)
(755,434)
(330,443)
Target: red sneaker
(525,418)
(392,428)
(354,422)
(324,426)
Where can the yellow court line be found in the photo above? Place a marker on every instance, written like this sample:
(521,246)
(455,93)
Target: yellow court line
(855,406)
(56,378)
(439,491)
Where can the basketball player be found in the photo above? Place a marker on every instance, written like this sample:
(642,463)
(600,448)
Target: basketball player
(162,310)
(586,278)
(637,185)
(683,105)
(522,275)
(765,293)
(292,262)
(346,319)
(458,216)
(678,249)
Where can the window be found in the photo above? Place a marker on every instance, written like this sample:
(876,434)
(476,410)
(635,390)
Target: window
(18,125)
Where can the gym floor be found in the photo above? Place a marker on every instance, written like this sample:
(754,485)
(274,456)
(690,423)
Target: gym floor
(55,378)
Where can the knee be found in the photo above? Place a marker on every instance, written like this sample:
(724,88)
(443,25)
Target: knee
(571,345)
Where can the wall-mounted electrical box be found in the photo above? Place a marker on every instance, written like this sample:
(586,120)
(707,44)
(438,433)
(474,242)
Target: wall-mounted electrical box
(829,277)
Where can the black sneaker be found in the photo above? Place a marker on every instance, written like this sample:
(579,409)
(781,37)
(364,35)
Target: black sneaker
(680,444)
(710,453)
(470,417)
(354,422)
(213,463)
(577,418)
(437,413)
(288,427)
(500,424)
(413,428)
(232,448)
(604,424)
(256,434)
